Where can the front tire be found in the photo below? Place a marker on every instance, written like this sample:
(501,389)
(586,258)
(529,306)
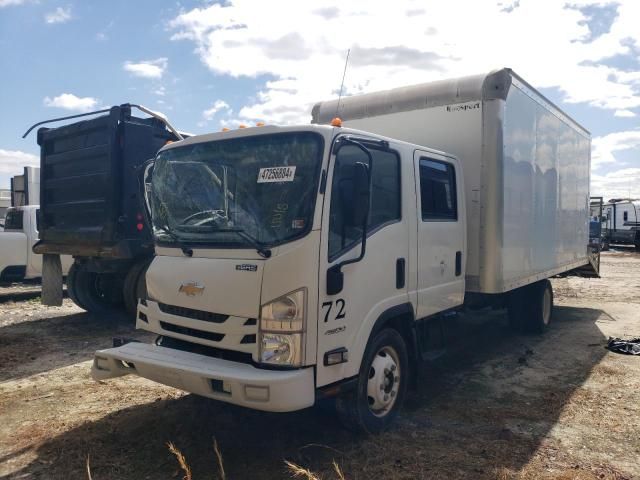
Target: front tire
(381,387)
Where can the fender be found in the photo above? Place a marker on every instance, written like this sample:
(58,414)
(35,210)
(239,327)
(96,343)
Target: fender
(403,312)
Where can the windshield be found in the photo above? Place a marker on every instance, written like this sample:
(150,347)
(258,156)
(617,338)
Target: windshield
(257,190)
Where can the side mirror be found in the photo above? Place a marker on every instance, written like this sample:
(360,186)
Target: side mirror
(355,193)
(147,175)
(335,280)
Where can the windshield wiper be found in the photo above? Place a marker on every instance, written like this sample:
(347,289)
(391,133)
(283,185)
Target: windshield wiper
(185,249)
(255,243)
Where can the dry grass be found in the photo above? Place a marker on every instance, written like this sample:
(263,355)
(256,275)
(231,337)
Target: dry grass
(219,458)
(300,472)
(88,469)
(181,461)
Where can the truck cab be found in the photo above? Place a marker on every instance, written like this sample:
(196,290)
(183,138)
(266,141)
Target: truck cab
(17,260)
(291,263)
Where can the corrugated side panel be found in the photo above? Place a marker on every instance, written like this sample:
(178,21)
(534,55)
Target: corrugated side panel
(77,191)
(546,168)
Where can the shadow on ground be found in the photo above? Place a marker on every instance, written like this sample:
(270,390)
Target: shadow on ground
(36,346)
(489,405)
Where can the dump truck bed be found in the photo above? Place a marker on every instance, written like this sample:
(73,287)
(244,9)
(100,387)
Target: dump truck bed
(89,192)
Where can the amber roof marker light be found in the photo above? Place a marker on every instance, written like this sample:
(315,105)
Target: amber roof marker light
(336,122)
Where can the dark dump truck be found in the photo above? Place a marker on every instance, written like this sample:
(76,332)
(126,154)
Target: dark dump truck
(92,206)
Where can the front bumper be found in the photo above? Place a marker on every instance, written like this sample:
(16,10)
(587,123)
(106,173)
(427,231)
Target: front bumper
(232,382)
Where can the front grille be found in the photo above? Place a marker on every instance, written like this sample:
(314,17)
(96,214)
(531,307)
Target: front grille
(231,355)
(192,313)
(192,332)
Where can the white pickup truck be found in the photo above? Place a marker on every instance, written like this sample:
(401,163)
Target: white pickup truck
(17,260)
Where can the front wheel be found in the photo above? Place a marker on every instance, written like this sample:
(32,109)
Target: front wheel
(382,385)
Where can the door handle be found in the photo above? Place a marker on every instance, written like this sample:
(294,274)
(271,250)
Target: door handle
(458,263)
(400,273)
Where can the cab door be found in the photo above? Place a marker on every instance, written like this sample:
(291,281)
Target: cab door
(378,280)
(441,233)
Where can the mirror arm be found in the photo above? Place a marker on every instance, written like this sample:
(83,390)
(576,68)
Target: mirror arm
(363,247)
(143,171)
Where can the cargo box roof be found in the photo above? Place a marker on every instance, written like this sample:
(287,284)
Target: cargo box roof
(488,86)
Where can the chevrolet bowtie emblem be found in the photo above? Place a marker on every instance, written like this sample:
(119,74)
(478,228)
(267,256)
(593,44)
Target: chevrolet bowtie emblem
(191,289)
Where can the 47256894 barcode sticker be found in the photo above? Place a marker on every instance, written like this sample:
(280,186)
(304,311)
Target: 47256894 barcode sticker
(276,174)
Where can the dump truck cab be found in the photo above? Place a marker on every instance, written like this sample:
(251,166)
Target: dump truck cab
(281,255)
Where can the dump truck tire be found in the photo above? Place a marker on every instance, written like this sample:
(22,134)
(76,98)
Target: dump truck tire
(71,286)
(135,286)
(97,292)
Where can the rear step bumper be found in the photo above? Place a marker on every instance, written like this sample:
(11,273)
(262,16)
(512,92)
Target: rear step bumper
(232,382)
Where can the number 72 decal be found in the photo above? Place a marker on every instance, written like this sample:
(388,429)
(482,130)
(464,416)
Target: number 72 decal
(340,306)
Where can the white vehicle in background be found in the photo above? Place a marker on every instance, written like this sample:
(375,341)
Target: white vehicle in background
(623,221)
(17,260)
(297,263)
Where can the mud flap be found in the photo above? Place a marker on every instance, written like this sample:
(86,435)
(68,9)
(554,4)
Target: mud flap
(51,280)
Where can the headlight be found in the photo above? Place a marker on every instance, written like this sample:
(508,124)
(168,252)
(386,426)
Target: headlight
(282,325)
(281,349)
(285,314)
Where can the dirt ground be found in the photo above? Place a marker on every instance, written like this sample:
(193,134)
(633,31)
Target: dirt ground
(499,406)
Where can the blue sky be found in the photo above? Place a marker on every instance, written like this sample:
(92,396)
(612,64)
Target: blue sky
(212,64)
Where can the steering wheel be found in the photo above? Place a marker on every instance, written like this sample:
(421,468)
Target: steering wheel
(214,215)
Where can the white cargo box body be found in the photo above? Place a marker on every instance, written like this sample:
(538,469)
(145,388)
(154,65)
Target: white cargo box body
(526,168)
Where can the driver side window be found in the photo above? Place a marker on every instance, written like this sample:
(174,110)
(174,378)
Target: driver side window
(385,205)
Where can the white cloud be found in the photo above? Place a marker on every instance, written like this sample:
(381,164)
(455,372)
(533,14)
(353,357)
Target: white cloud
(69,101)
(621,183)
(59,15)
(624,113)
(13,161)
(410,42)
(217,106)
(603,148)
(147,68)
(8,3)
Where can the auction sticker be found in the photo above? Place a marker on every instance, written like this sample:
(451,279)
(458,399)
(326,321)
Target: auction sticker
(276,174)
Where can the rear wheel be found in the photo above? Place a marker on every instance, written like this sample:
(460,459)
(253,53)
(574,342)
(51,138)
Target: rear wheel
(530,308)
(97,292)
(71,285)
(135,286)
(382,385)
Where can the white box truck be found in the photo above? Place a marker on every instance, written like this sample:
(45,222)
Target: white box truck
(295,263)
